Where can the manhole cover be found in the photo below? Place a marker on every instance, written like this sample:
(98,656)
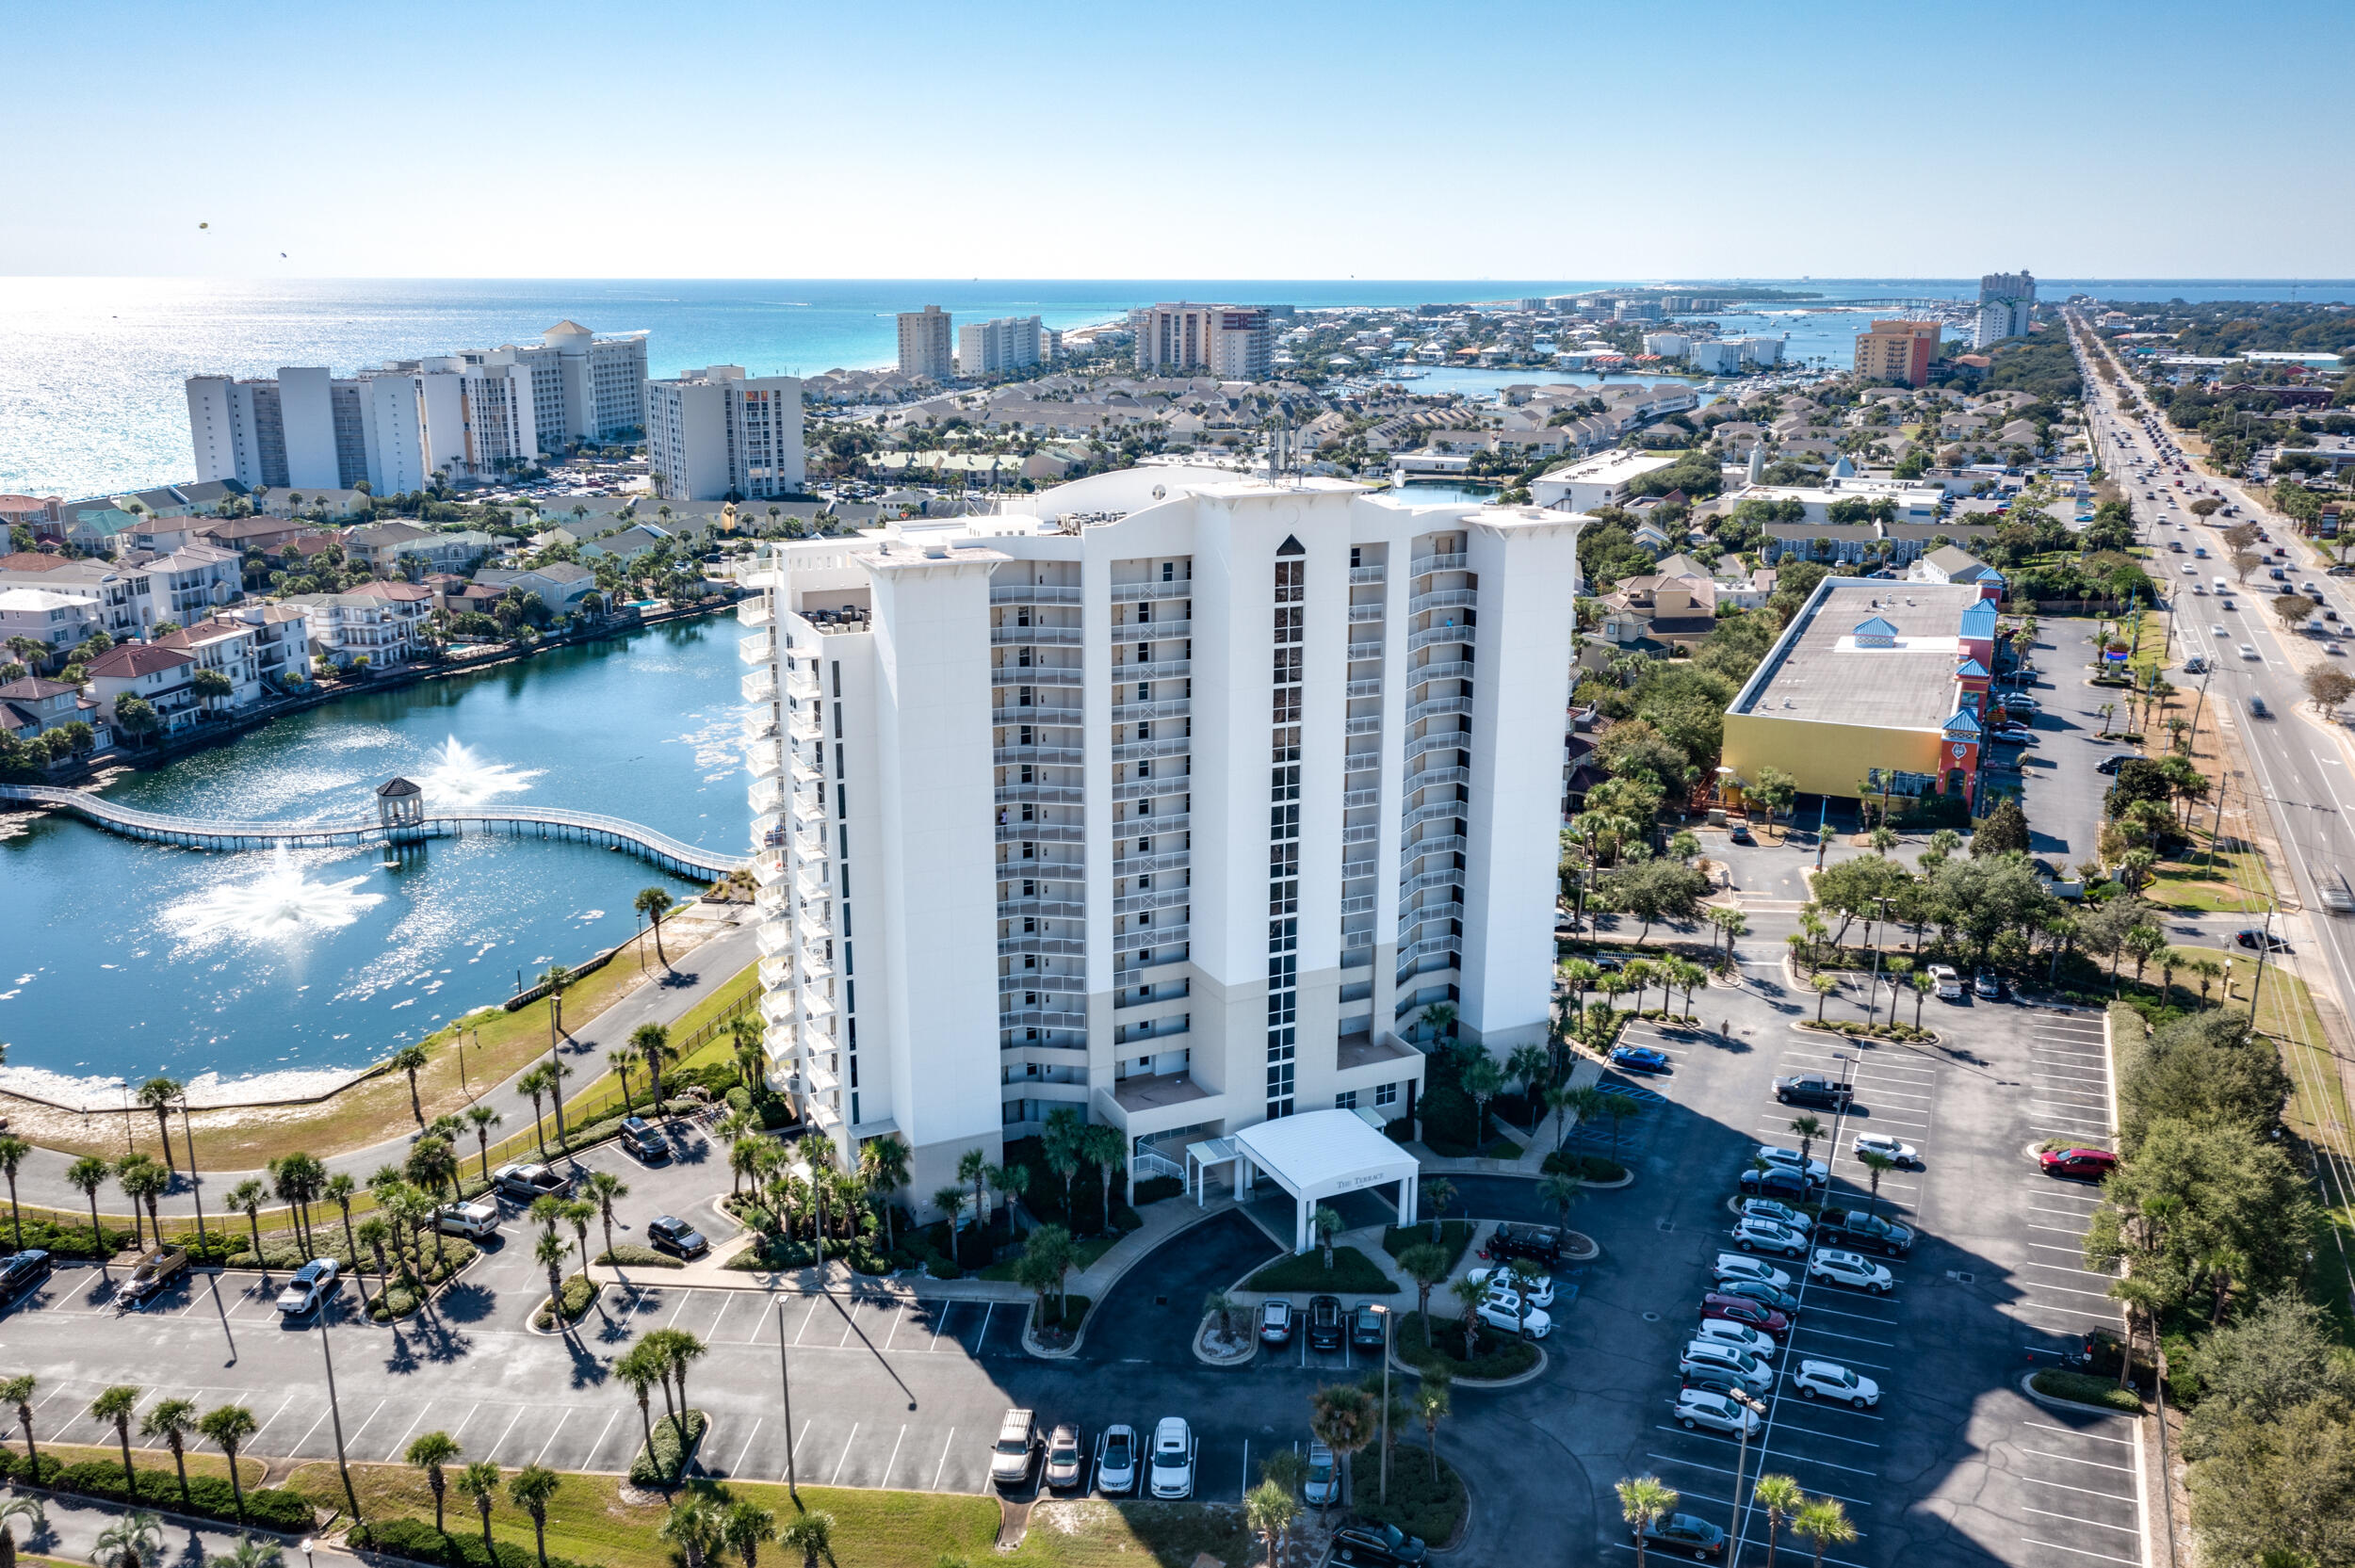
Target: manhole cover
(1666,1226)
(1161,1301)
(1961,1276)
(1651,1318)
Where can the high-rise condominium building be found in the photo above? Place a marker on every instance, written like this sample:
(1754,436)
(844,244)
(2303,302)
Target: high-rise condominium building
(1009,343)
(458,415)
(924,339)
(2007,306)
(714,435)
(1177,821)
(1897,351)
(1233,343)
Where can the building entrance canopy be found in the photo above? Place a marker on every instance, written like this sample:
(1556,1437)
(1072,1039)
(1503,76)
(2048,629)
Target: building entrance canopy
(1323,1154)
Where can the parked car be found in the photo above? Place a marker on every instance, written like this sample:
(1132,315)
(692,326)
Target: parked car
(1814,1088)
(1725,1331)
(1538,1288)
(1116,1460)
(1855,1229)
(1739,833)
(1501,1309)
(1323,1485)
(1639,1058)
(1734,1266)
(1067,1461)
(1713,1355)
(1325,1323)
(1894,1150)
(1782,1214)
(1377,1546)
(1276,1319)
(1752,1314)
(1685,1535)
(1173,1459)
(2080,1164)
(1366,1328)
(1704,1407)
(1017,1448)
(1773,1297)
(1829,1380)
(1837,1266)
(474,1219)
(1779,1182)
(1949,983)
(308,1290)
(156,1273)
(21,1272)
(526,1183)
(1764,1236)
(1986,983)
(1541,1243)
(644,1139)
(669,1233)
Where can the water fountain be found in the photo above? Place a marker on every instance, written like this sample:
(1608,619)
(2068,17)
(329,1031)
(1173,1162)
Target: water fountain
(281,904)
(461,776)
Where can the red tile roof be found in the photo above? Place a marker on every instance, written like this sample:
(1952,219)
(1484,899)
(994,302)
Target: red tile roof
(138,658)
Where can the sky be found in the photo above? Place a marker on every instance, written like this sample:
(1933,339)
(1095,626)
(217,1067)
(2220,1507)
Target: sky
(1675,139)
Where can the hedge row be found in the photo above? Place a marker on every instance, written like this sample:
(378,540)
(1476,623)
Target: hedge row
(414,1541)
(580,1294)
(667,1460)
(209,1496)
(628,1257)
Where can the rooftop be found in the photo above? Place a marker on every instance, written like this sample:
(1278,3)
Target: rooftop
(1612,467)
(1819,673)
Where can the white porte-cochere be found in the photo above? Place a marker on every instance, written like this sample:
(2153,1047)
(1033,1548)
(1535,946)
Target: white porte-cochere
(1323,1154)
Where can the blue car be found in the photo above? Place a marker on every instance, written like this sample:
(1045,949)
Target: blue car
(1639,1058)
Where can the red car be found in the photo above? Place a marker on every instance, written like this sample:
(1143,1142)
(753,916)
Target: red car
(1741,1309)
(2083,1164)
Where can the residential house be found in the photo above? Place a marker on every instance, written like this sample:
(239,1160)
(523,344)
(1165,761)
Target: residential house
(193,579)
(99,529)
(383,628)
(1950,563)
(332,504)
(228,649)
(124,595)
(377,546)
(162,677)
(265,534)
(1680,607)
(455,550)
(58,621)
(628,544)
(560,585)
(34,706)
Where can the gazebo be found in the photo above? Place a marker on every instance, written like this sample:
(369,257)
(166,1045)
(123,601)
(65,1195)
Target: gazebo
(1319,1154)
(399,803)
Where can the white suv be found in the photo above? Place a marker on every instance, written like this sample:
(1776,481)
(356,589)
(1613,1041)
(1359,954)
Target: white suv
(1173,1458)
(1725,1332)
(1702,1407)
(1829,1380)
(1711,1355)
(1853,1270)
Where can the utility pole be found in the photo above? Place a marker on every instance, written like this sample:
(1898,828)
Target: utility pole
(784,1379)
(1740,1461)
(2257,985)
(335,1412)
(1386,1402)
(196,1189)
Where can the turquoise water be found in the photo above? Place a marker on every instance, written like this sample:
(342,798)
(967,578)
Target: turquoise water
(128,958)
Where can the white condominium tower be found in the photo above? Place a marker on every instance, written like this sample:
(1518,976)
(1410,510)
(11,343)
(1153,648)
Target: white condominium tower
(924,337)
(1174,805)
(715,435)
(1009,343)
(1233,343)
(2007,307)
(459,416)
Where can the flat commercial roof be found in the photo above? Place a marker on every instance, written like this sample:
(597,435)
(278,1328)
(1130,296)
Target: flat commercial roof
(1818,673)
(1320,1153)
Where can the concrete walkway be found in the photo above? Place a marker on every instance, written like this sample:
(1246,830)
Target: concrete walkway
(699,975)
(1532,1160)
(75,1525)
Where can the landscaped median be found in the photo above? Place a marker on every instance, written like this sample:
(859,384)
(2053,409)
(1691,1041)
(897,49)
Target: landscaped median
(95,1472)
(580,1294)
(1351,1272)
(2079,1388)
(1496,1356)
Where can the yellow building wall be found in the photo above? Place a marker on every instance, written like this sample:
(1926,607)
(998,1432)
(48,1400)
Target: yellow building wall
(1824,758)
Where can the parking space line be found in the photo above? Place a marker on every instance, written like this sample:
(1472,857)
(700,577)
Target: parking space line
(895,1454)
(2130,1561)
(899,1316)
(295,1452)
(1786,1454)
(846,1455)
(1719,1470)
(403,1438)
(2065,1290)
(2114,1497)
(683,1298)
(563,1416)
(727,1299)
(983,1338)
(2065,1459)
(462,1426)
(509,1427)
(2122,1529)
(1856,1316)
(850,1323)
(2049,1246)
(806,1318)
(1855,1340)
(943,1465)
(2073,1432)
(738,1469)
(1826,1436)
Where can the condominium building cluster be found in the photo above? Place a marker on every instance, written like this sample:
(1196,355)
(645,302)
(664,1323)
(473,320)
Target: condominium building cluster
(716,434)
(469,414)
(1233,343)
(2007,307)
(1174,804)
(934,347)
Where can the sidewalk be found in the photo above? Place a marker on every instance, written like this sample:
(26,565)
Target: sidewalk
(1532,1162)
(75,1524)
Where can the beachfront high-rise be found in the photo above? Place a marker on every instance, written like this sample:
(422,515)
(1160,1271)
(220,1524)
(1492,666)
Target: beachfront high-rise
(1175,804)
(925,344)
(1009,343)
(716,435)
(1233,343)
(2007,307)
(471,413)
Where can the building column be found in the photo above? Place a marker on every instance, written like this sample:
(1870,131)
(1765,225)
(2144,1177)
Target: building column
(1300,1224)
(1409,1197)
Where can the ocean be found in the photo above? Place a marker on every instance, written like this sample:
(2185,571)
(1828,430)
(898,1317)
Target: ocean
(91,369)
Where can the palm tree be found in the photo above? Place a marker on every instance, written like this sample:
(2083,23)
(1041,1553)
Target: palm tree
(1807,1129)
(1644,1501)
(482,1119)
(158,1094)
(1012,1182)
(550,1254)
(1826,1523)
(228,1428)
(2143,1300)
(654,903)
(619,1063)
(298,1178)
(1427,1267)
(250,1553)
(480,1482)
(247,1198)
(1481,1079)
(578,1213)
(173,1420)
(604,1190)
(24,1506)
(652,1042)
(1344,1418)
(143,1182)
(973,1165)
(340,1190)
(680,1349)
(372,1234)
(883,1163)
(812,1535)
(752,1059)
(1559,1190)
(532,1489)
(640,1368)
(18,1391)
(1432,1404)
(537,1084)
(134,1540)
(87,1174)
(12,1152)
(1782,1499)
(1879,1164)
(430,1453)
(1326,1223)
(744,1527)
(1436,1195)
(1470,1292)
(693,1525)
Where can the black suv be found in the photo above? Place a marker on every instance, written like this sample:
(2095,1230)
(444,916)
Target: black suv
(1378,1546)
(21,1272)
(1539,1243)
(1867,1233)
(1813,1088)
(1324,1322)
(644,1139)
(1780,1182)
(671,1234)
(1365,1327)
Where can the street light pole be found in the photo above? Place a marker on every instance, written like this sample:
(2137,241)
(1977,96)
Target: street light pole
(1386,1403)
(1740,1462)
(196,1189)
(334,1410)
(785,1376)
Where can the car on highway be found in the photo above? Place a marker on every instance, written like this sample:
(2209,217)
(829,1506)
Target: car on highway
(1835,1266)
(1704,1407)
(1686,1536)
(474,1219)
(1067,1461)
(2216,629)
(2335,896)
(23,1272)
(1366,1328)
(671,1234)
(1326,1329)
(1116,1460)
(1782,1214)
(1502,1309)
(1829,1380)
(154,1274)
(1639,1058)
(1323,1485)
(1538,1288)
(1720,1306)
(1775,1154)
(1015,1450)
(1377,1546)
(2253,938)
(1711,1355)
(2249,651)
(1859,1231)
(645,1139)
(1892,1149)
(1737,1266)
(1172,1476)
(2077,1164)
(526,1183)
(1764,1236)
(1765,1295)
(2257,708)
(312,1285)
(1276,1319)
(1813,1088)
(1780,1181)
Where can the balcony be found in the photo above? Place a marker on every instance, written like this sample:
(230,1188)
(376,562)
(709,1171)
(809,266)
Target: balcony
(754,611)
(755,649)
(1132,594)
(1444,740)
(762,725)
(775,938)
(1138,790)
(1363,689)
(1144,713)
(1366,760)
(1360,798)
(1036,637)
(1044,947)
(1045,909)
(1151,631)
(776,973)
(1139,866)
(1442,598)
(1045,794)
(1434,707)
(1362,904)
(764,761)
(1445,876)
(1431,810)
(1069,867)
(1431,777)
(1409,918)
(767,867)
(1358,614)
(1363,649)
(1138,750)
(1041,833)
(759,685)
(1360,574)
(1033,594)
(1448,669)
(1058,717)
(1442,844)
(1156,899)
(1366,725)
(1020,980)
(1364,833)
(1159,670)
(1040,1018)
(1035,674)
(766,793)
(1423,566)
(1049,757)
(1158,822)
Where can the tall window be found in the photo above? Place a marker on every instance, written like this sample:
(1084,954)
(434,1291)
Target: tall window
(1283,899)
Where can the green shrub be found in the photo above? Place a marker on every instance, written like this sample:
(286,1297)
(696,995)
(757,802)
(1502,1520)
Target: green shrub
(1495,1354)
(665,1463)
(1593,1167)
(1417,1504)
(2086,1390)
(209,1496)
(69,1241)
(580,1294)
(740,1100)
(1152,1190)
(414,1541)
(1455,1235)
(942,1267)
(1074,1311)
(14,1467)
(628,1257)
(1352,1272)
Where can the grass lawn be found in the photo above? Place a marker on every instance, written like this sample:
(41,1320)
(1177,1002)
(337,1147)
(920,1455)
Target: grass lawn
(2086,1390)
(205,1460)
(1455,1235)
(589,1521)
(2237,883)
(1352,1272)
